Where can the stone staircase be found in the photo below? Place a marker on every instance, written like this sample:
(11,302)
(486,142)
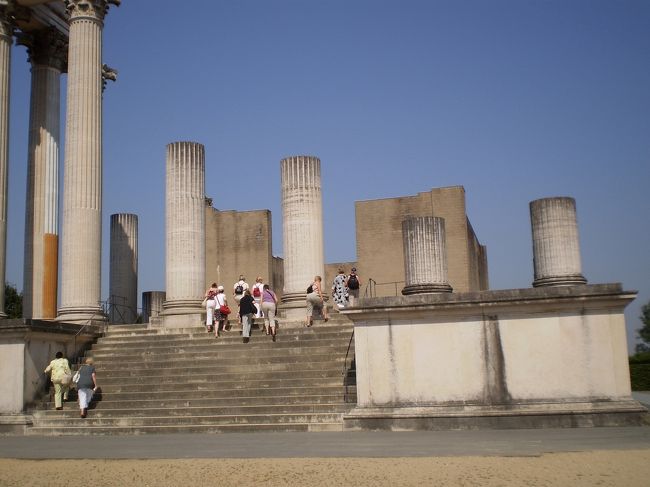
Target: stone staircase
(187,381)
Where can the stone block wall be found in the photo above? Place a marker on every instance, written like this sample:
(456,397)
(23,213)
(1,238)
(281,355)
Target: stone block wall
(379,239)
(238,242)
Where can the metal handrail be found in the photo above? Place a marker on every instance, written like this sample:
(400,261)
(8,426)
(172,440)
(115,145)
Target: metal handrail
(89,322)
(391,283)
(345,367)
(370,288)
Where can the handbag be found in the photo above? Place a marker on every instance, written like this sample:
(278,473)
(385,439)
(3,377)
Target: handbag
(224,310)
(204,303)
(76,377)
(66,378)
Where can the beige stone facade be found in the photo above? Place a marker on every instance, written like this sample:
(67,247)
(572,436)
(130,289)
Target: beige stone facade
(380,253)
(239,242)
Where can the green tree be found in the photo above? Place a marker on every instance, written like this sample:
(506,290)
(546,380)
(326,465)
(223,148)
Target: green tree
(644,331)
(13,302)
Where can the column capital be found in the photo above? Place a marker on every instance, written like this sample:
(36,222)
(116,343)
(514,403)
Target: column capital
(7,23)
(46,47)
(94,10)
(108,74)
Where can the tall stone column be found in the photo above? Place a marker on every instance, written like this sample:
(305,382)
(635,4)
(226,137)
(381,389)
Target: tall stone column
(82,198)
(556,246)
(6,33)
(302,213)
(425,255)
(185,233)
(123,280)
(48,55)
(152,304)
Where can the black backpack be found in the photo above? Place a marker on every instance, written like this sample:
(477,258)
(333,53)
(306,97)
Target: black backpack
(353,282)
(239,289)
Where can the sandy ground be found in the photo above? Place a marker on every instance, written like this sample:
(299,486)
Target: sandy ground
(629,468)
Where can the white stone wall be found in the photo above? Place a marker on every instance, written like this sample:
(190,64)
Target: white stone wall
(489,352)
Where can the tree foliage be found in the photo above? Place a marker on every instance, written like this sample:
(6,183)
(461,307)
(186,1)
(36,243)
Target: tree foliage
(644,331)
(13,302)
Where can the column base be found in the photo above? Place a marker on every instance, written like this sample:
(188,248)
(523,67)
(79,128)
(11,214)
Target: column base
(426,289)
(294,310)
(182,313)
(572,280)
(293,298)
(81,315)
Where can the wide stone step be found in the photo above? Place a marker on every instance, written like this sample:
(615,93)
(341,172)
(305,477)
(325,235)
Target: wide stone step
(336,322)
(313,346)
(209,419)
(209,391)
(50,418)
(252,384)
(211,376)
(217,344)
(217,358)
(225,338)
(87,429)
(268,401)
(221,369)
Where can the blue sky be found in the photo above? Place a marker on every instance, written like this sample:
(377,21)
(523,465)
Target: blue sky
(515,100)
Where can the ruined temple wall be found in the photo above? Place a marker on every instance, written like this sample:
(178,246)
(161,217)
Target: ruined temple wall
(379,239)
(277,276)
(238,242)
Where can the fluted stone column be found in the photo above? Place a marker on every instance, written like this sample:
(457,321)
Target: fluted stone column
(556,246)
(123,280)
(82,197)
(48,55)
(152,304)
(185,233)
(302,213)
(6,33)
(425,255)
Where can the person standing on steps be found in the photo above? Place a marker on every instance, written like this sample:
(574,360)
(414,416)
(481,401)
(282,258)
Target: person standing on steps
(339,290)
(247,310)
(86,386)
(60,376)
(353,284)
(258,288)
(238,291)
(221,318)
(315,301)
(210,305)
(269,303)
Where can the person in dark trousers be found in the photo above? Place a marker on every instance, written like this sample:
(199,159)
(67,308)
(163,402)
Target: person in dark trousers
(247,310)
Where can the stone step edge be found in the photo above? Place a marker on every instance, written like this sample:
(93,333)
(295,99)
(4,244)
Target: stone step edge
(227,340)
(151,429)
(339,403)
(179,362)
(196,329)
